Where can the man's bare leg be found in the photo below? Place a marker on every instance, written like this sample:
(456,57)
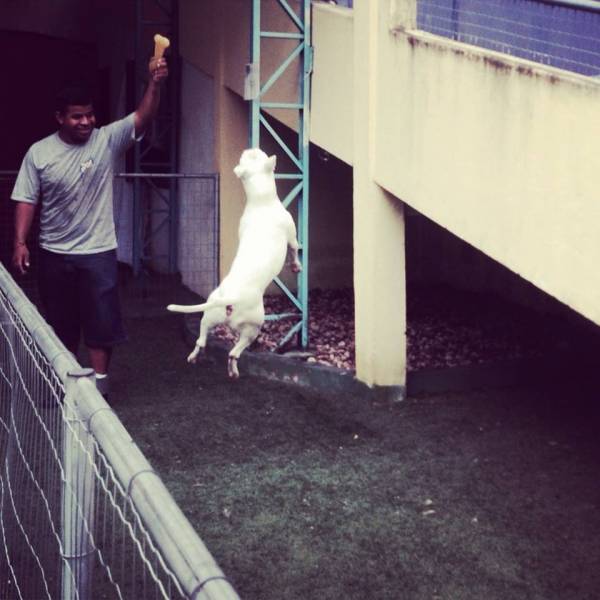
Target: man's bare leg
(100,359)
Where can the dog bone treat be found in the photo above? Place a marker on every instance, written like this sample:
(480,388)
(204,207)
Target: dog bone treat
(161,43)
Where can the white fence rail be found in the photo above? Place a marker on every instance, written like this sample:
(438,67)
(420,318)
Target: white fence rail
(82,513)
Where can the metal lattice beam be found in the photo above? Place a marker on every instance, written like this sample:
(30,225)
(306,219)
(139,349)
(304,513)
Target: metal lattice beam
(299,157)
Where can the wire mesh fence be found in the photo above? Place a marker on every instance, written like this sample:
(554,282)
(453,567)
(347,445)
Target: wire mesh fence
(177,263)
(82,513)
(559,33)
(146,290)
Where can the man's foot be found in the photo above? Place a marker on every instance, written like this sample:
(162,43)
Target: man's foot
(103,384)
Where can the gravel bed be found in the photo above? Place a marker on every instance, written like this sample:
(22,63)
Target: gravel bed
(446,328)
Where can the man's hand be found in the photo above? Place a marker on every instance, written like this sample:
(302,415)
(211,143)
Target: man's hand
(148,107)
(158,69)
(24,212)
(21,258)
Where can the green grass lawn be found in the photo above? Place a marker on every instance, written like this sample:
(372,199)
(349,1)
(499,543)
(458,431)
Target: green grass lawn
(486,495)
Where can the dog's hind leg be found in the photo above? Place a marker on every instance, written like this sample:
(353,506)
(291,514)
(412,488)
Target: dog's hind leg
(248,333)
(293,246)
(209,320)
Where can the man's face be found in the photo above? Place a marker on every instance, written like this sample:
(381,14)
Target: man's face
(76,123)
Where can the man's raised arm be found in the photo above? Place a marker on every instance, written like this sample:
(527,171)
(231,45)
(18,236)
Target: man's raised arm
(148,107)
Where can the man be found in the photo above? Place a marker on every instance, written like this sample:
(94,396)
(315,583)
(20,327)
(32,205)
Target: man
(71,172)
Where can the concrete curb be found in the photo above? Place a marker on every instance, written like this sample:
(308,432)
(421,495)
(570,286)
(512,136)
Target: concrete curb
(333,381)
(276,367)
(319,378)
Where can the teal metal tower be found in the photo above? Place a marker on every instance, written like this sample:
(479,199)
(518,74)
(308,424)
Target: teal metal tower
(300,58)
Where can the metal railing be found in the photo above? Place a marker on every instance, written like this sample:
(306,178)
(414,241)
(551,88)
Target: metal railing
(156,283)
(171,265)
(559,33)
(82,513)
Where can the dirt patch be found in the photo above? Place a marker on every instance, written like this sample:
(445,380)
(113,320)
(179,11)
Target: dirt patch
(445,328)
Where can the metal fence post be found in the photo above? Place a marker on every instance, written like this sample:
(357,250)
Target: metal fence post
(77,495)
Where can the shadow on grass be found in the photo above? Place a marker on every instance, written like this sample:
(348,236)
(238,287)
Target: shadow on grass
(490,494)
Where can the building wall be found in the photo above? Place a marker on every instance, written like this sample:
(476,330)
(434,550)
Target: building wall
(330,213)
(333,80)
(215,39)
(38,66)
(501,152)
(68,19)
(435,257)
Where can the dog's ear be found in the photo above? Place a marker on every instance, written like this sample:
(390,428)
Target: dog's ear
(239,171)
(272,162)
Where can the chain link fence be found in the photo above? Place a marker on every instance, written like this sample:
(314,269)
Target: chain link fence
(178,257)
(559,33)
(145,290)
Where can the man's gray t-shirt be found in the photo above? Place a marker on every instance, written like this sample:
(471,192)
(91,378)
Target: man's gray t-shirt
(75,185)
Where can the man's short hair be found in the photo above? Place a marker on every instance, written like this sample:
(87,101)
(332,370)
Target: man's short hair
(73,95)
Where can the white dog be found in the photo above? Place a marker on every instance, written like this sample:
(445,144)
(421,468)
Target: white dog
(267,234)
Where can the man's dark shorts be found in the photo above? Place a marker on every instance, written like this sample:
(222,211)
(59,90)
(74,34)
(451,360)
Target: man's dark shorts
(79,292)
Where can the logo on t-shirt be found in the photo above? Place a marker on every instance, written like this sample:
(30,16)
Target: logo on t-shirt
(84,166)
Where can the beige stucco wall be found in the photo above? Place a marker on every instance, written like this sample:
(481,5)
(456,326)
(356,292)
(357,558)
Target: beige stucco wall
(501,152)
(333,80)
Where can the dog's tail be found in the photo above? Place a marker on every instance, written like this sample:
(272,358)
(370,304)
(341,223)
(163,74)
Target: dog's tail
(195,308)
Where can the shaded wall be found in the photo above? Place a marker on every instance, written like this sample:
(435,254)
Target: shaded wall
(38,67)
(434,257)
(330,213)
(65,19)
